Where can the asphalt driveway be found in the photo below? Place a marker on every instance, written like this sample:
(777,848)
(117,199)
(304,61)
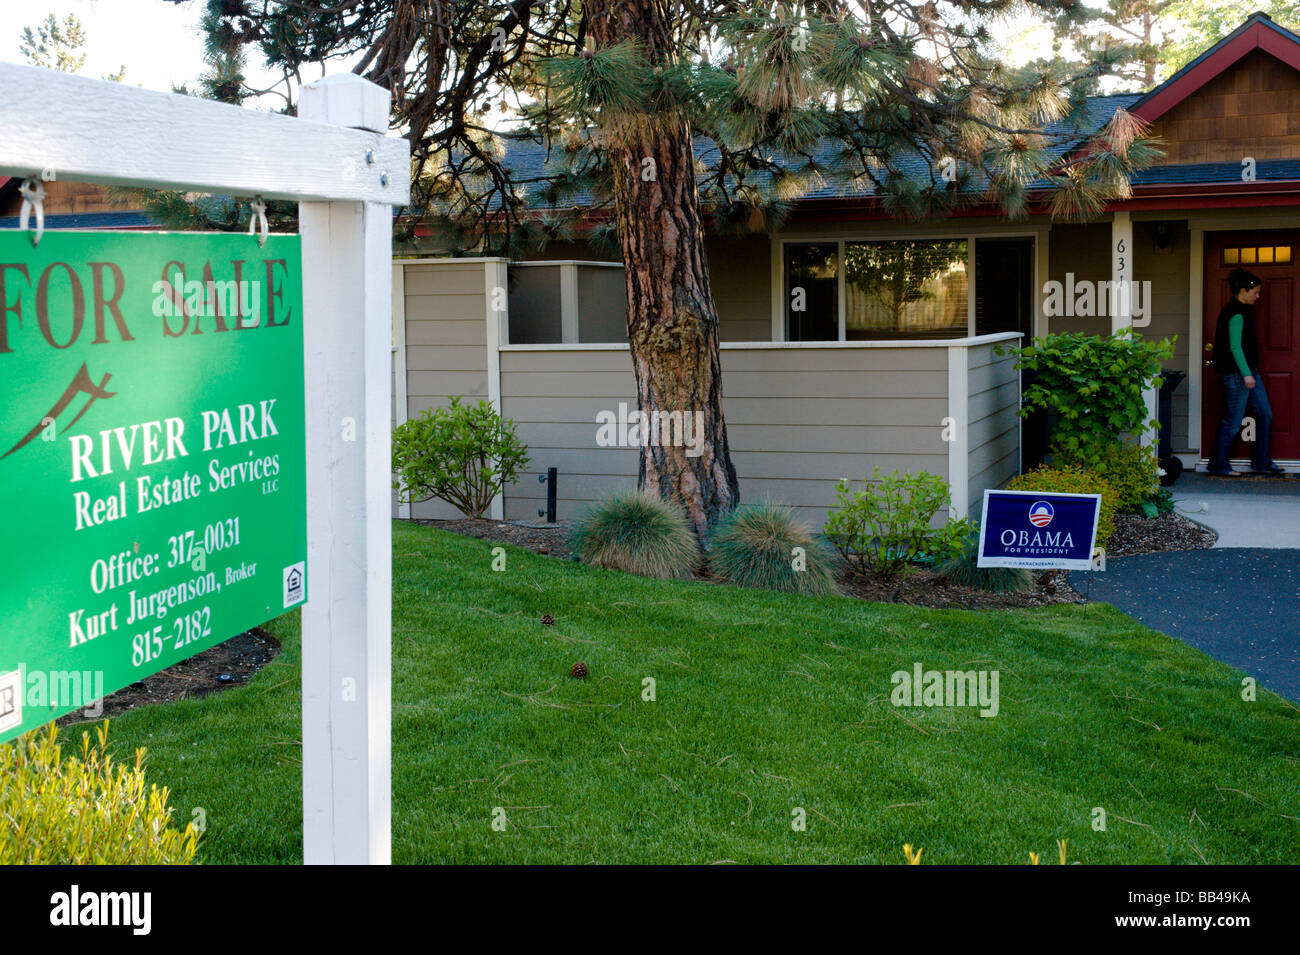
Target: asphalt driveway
(1237,604)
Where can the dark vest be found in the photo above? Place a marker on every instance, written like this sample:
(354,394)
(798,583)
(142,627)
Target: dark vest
(1223,361)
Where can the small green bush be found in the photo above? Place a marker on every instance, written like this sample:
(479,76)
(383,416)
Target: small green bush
(1162,499)
(637,532)
(964,571)
(1072,479)
(886,525)
(1128,467)
(84,809)
(755,546)
(1094,385)
(461,454)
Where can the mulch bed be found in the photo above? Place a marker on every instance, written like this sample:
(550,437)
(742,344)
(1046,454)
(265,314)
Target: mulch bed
(552,539)
(920,587)
(1135,535)
(229,664)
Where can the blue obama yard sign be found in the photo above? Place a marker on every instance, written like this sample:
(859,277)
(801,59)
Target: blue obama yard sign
(1037,530)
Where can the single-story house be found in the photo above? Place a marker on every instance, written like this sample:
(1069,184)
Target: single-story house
(828,371)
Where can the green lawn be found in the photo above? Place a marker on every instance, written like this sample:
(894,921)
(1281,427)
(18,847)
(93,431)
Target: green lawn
(765,703)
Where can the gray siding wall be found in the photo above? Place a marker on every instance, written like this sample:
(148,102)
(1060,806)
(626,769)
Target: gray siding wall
(740,274)
(799,419)
(446,344)
(993,398)
(553,397)
(1168,272)
(1085,251)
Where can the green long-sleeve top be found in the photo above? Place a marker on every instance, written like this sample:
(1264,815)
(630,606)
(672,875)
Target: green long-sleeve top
(1234,343)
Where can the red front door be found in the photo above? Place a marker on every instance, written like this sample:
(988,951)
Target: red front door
(1273,255)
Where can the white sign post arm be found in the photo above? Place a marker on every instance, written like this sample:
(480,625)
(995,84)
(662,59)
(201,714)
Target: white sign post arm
(347,621)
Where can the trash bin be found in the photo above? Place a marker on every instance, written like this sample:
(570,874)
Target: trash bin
(1165,415)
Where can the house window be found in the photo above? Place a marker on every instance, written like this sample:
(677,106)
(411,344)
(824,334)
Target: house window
(1257,255)
(812,292)
(891,289)
(909,288)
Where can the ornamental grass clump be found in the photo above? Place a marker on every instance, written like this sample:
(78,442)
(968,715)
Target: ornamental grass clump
(763,545)
(85,808)
(638,533)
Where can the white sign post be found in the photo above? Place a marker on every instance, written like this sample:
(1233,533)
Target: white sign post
(347,284)
(347,174)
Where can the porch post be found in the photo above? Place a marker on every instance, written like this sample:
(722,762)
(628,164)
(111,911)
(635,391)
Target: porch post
(1121,277)
(1121,271)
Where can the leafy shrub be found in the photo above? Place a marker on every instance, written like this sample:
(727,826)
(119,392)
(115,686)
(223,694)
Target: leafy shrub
(461,454)
(754,546)
(1072,479)
(1129,468)
(886,525)
(1162,499)
(964,571)
(84,809)
(1094,385)
(637,532)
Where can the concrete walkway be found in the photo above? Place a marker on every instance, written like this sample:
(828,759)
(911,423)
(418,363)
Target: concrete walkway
(1245,511)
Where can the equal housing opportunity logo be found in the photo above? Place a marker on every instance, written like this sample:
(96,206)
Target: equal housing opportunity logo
(922,687)
(637,429)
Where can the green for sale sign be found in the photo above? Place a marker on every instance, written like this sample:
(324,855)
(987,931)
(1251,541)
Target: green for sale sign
(152,485)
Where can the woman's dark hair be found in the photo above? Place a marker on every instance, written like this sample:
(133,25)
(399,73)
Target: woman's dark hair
(1239,279)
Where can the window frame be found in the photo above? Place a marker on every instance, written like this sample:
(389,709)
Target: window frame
(1255,253)
(781,319)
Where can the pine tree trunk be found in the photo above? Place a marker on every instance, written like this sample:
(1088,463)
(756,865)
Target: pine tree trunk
(672,323)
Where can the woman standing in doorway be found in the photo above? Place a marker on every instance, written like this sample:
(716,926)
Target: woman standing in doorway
(1236,359)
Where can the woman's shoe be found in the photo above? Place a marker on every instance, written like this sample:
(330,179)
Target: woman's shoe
(1271,469)
(1226,474)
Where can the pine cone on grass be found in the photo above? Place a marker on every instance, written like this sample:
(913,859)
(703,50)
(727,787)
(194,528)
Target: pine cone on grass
(579,671)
